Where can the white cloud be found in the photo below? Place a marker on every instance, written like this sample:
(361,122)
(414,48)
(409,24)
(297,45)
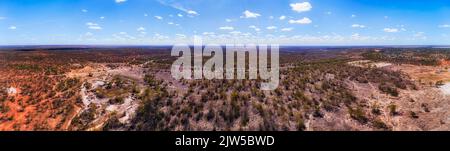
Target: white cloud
(355,36)
(228,20)
(254,28)
(420,35)
(444,26)
(282,17)
(179,15)
(226,28)
(89,34)
(208,33)
(93,26)
(358,26)
(301,7)
(353,16)
(328,13)
(160,37)
(159,17)
(12,27)
(249,14)
(271,28)
(390,30)
(123,36)
(287,29)
(120,1)
(178,6)
(304,20)
(140,29)
(358,37)
(1,18)
(170,23)
(180,35)
(235,32)
(84,10)
(246,34)
(191,12)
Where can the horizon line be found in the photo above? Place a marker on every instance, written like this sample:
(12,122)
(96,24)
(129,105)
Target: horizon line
(165,45)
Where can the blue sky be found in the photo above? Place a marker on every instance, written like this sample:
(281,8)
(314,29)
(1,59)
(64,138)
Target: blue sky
(152,22)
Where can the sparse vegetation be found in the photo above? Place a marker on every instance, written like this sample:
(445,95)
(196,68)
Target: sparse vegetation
(88,88)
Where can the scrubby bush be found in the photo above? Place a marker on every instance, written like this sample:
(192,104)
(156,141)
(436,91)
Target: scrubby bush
(377,123)
(388,88)
(392,109)
(413,114)
(117,100)
(358,114)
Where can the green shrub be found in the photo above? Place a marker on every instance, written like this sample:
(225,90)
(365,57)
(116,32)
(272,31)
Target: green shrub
(376,110)
(117,100)
(358,114)
(210,115)
(244,117)
(413,114)
(439,83)
(388,88)
(393,109)
(301,124)
(380,124)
